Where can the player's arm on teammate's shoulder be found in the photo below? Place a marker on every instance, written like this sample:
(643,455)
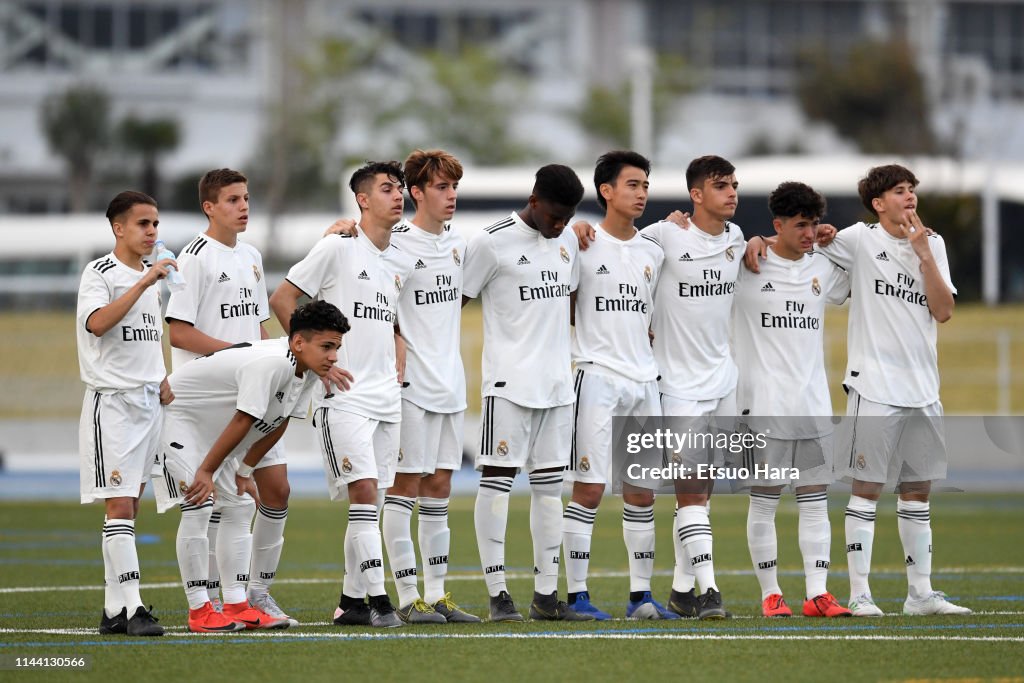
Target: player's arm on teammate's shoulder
(940,297)
(342,226)
(202,485)
(188,337)
(680,218)
(825,233)
(104,318)
(585,234)
(284,301)
(756,251)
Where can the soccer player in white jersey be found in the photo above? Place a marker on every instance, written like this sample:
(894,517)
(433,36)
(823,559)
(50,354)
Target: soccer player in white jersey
(224,303)
(616,375)
(698,374)
(359,428)
(778,328)
(433,391)
(521,268)
(122,365)
(901,288)
(232,406)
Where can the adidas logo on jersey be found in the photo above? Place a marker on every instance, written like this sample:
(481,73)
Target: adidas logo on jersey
(882,256)
(685,257)
(523,261)
(223,277)
(768,288)
(364,276)
(602,270)
(420,265)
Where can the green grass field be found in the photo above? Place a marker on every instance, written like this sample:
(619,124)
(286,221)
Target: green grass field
(51,599)
(39,364)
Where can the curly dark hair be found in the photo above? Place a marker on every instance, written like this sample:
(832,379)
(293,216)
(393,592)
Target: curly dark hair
(791,199)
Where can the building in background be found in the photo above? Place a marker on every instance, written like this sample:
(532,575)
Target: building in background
(225,68)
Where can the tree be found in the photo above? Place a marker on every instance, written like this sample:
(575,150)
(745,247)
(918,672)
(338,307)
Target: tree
(149,139)
(874,96)
(77,127)
(605,113)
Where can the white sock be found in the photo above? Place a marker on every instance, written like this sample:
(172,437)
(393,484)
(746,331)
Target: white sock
(212,571)
(193,549)
(352,584)
(369,553)
(860,536)
(119,545)
(267,543)
(638,533)
(695,534)
(763,541)
(683,578)
(435,544)
(490,517)
(234,551)
(112,600)
(914,521)
(546,529)
(396,527)
(815,534)
(577,531)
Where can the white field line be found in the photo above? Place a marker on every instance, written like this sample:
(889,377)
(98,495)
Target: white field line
(508,575)
(542,636)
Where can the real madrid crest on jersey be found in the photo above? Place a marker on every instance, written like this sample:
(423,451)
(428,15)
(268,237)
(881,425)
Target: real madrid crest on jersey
(455,257)
(398,284)
(816,287)
(648,273)
(564,254)
(584,464)
(729,254)
(861,461)
(503,448)
(346,465)
(256,273)
(115,478)
(183,487)
(401,455)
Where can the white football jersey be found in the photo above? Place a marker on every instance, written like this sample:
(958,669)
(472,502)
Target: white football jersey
(615,304)
(778,340)
(524,281)
(225,295)
(364,283)
(129,355)
(891,354)
(693,310)
(257,378)
(431,313)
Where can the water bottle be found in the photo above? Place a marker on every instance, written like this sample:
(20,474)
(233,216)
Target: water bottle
(175,280)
